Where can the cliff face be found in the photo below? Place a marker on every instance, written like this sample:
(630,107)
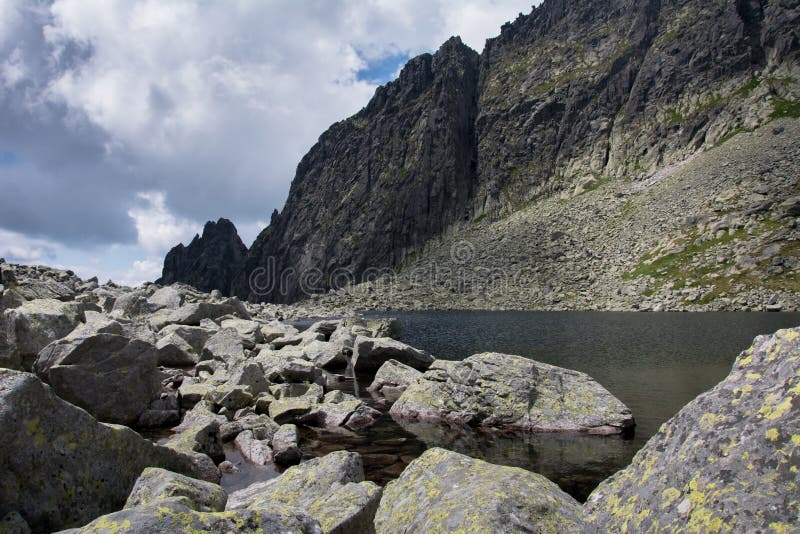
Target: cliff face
(209,262)
(579,92)
(377,184)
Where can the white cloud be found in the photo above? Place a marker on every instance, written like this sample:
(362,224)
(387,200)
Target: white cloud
(19,248)
(157,229)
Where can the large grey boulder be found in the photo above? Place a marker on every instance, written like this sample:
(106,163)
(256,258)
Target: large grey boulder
(60,467)
(96,323)
(198,438)
(110,376)
(165,297)
(34,324)
(443,491)
(225,346)
(331,489)
(503,391)
(325,354)
(155,484)
(370,353)
(174,351)
(196,336)
(393,378)
(192,314)
(727,461)
(249,331)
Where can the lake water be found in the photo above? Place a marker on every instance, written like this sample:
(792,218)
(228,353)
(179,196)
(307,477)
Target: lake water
(654,362)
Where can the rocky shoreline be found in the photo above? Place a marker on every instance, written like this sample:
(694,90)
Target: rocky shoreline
(84,366)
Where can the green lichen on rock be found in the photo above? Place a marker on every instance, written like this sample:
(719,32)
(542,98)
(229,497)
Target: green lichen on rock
(155,484)
(500,390)
(728,461)
(443,491)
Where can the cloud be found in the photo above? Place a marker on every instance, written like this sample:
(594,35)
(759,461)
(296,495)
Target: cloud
(157,229)
(209,104)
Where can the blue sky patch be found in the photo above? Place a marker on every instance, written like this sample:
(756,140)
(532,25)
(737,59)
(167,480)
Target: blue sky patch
(383,70)
(8,158)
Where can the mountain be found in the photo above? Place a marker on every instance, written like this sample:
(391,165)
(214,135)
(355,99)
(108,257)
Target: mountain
(209,262)
(576,95)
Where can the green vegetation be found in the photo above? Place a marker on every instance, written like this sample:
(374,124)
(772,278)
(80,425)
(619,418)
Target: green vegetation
(479,218)
(603,180)
(783,107)
(731,135)
(747,88)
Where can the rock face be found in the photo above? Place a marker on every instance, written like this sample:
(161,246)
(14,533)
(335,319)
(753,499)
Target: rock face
(209,262)
(726,462)
(112,377)
(443,491)
(565,98)
(61,468)
(502,391)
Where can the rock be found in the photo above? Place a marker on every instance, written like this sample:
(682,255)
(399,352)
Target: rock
(343,410)
(131,305)
(226,346)
(285,449)
(503,391)
(250,375)
(254,450)
(166,297)
(300,371)
(393,378)
(791,207)
(209,262)
(174,351)
(176,516)
(331,489)
(725,462)
(249,331)
(35,324)
(287,410)
(371,353)
(13,523)
(192,314)
(443,491)
(52,447)
(54,352)
(196,336)
(198,437)
(263,427)
(156,484)
(112,377)
(232,398)
(326,355)
(274,330)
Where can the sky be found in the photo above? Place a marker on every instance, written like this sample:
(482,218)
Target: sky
(125,125)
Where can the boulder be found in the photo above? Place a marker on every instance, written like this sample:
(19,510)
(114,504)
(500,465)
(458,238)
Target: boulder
(393,378)
(51,448)
(96,323)
(443,491)
(112,377)
(131,305)
(503,391)
(166,297)
(249,331)
(174,351)
(263,426)
(272,331)
(198,437)
(331,489)
(191,314)
(727,461)
(156,484)
(285,449)
(326,355)
(253,449)
(177,516)
(196,336)
(13,523)
(225,346)
(33,325)
(370,353)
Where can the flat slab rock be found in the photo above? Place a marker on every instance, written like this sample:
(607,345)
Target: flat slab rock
(443,491)
(728,461)
(504,391)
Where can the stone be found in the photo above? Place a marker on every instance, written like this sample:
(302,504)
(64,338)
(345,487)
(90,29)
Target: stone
(263,427)
(393,378)
(725,462)
(272,331)
(285,445)
(174,351)
(110,376)
(131,305)
(226,346)
(193,313)
(326,355)
(249,331)
(198,437)
(443,491)
(290,409)
(504,391)
(35,324)
(370,353)
(251,375)
(331,489)
(165,297)
(156,484)
(51,447)
(13,523)
(254,450)
(196,336)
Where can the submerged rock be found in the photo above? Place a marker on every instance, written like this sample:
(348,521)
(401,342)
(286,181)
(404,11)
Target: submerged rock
(728,461)
(443,491)
(331,489)
(503,391)
(60,467)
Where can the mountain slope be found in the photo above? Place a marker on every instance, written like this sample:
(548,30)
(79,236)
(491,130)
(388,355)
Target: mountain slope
(576,94)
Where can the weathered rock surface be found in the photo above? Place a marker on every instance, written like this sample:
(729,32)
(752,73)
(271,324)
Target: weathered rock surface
(443,491)
(371,353)
(31,326)
(110,376)
(503,391)
(393,378)
(208,262)
(331,489)
(728,461)
(156,484)
(61,468)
